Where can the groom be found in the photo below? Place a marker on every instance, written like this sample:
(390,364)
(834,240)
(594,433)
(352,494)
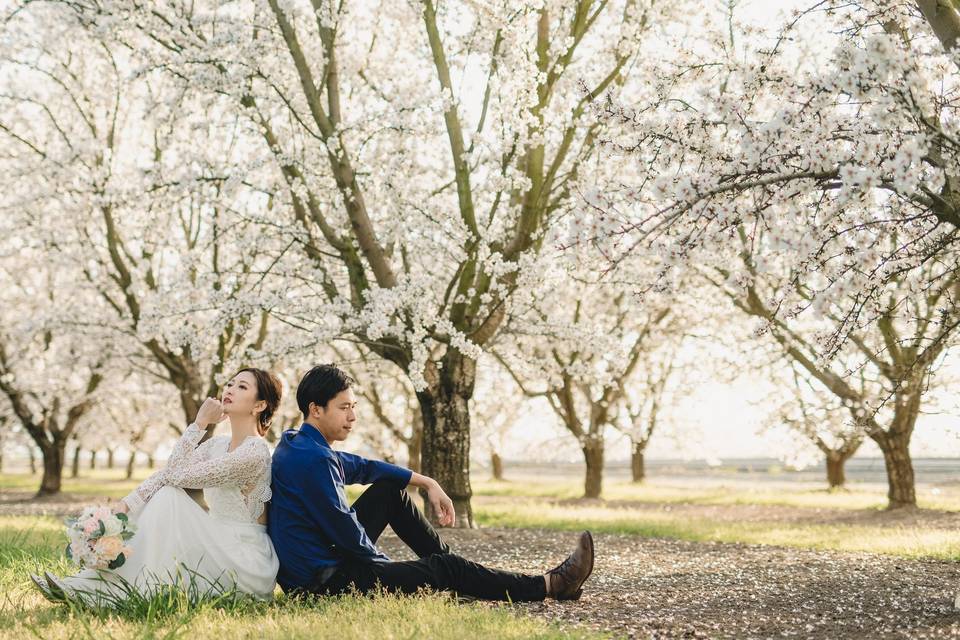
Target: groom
(327,546)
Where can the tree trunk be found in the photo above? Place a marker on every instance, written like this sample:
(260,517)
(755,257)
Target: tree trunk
(414,445)
(53,455)
(93,460)
(637,466)
(943,20)
(131,461)
(109,458)
(445,456)
(1,459)
(496,465)
(593,455)
(836,477)
(190,403)
(33,459)
(895,445)
(901,487)
(151,463)
(75,465)
(836,459)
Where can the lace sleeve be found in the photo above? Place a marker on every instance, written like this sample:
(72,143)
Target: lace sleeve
(241,468)
(183,451)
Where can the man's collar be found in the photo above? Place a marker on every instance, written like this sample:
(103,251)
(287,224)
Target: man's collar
(314,433)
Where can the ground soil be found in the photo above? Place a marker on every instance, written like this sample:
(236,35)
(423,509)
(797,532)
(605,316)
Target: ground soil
(652,588)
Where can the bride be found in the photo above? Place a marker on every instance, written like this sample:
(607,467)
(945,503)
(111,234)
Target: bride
(176,541)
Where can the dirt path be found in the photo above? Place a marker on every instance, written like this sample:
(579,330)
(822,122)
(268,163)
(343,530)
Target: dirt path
(24,503)
(650,588)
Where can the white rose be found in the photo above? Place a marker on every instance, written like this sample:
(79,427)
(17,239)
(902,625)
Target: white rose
(112,526)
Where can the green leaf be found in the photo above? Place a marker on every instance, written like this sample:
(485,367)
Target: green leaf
(126,535)
(117,562)
(122,517)
(69,553)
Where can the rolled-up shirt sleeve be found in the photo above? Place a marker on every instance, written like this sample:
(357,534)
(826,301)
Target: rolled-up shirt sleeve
(330,512)
(360,470)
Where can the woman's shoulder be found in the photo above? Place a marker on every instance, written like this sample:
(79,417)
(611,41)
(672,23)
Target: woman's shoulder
(259,445)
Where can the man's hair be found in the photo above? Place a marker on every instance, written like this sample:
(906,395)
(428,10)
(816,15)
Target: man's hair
(320,385)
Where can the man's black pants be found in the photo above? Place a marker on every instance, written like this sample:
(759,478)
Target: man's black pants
(386,503)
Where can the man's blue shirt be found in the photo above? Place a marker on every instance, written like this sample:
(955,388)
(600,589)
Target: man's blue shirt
(310,521)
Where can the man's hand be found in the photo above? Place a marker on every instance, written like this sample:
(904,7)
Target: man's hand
(442,505)
(439,501)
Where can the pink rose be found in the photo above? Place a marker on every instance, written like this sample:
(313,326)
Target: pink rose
(103,513)
(90,525)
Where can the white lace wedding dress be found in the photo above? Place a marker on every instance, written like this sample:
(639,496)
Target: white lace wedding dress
(177,542)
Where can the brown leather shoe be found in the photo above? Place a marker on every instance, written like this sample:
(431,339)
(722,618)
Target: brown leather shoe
(566,581)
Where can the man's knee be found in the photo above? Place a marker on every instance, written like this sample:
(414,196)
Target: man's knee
(387,490)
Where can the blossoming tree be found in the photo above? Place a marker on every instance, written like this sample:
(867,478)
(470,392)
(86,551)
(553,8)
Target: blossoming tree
(420,152)
(132,192)
(817,418)
(49,377)
(852,132)
(586,352)
(818,183)
(884,369)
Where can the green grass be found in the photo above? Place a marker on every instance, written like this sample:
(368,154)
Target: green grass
(713,494)
(31,544)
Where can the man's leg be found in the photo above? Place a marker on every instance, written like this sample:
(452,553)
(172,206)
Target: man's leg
(386,503)
(450,572)
(441,572)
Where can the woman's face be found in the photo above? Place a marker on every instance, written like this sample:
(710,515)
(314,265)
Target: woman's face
(240,395)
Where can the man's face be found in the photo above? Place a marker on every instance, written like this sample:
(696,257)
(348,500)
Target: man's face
(335,421)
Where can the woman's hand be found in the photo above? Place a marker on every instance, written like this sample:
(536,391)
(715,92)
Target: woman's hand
(120,507)
(211,412)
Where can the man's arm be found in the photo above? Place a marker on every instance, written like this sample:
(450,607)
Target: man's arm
(360,470)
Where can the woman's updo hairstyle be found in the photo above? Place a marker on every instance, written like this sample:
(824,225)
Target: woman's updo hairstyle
(270,391)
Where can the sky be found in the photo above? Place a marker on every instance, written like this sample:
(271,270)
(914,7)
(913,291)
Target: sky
(716,422)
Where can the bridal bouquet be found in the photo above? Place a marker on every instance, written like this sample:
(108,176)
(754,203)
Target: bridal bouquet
(97,538)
